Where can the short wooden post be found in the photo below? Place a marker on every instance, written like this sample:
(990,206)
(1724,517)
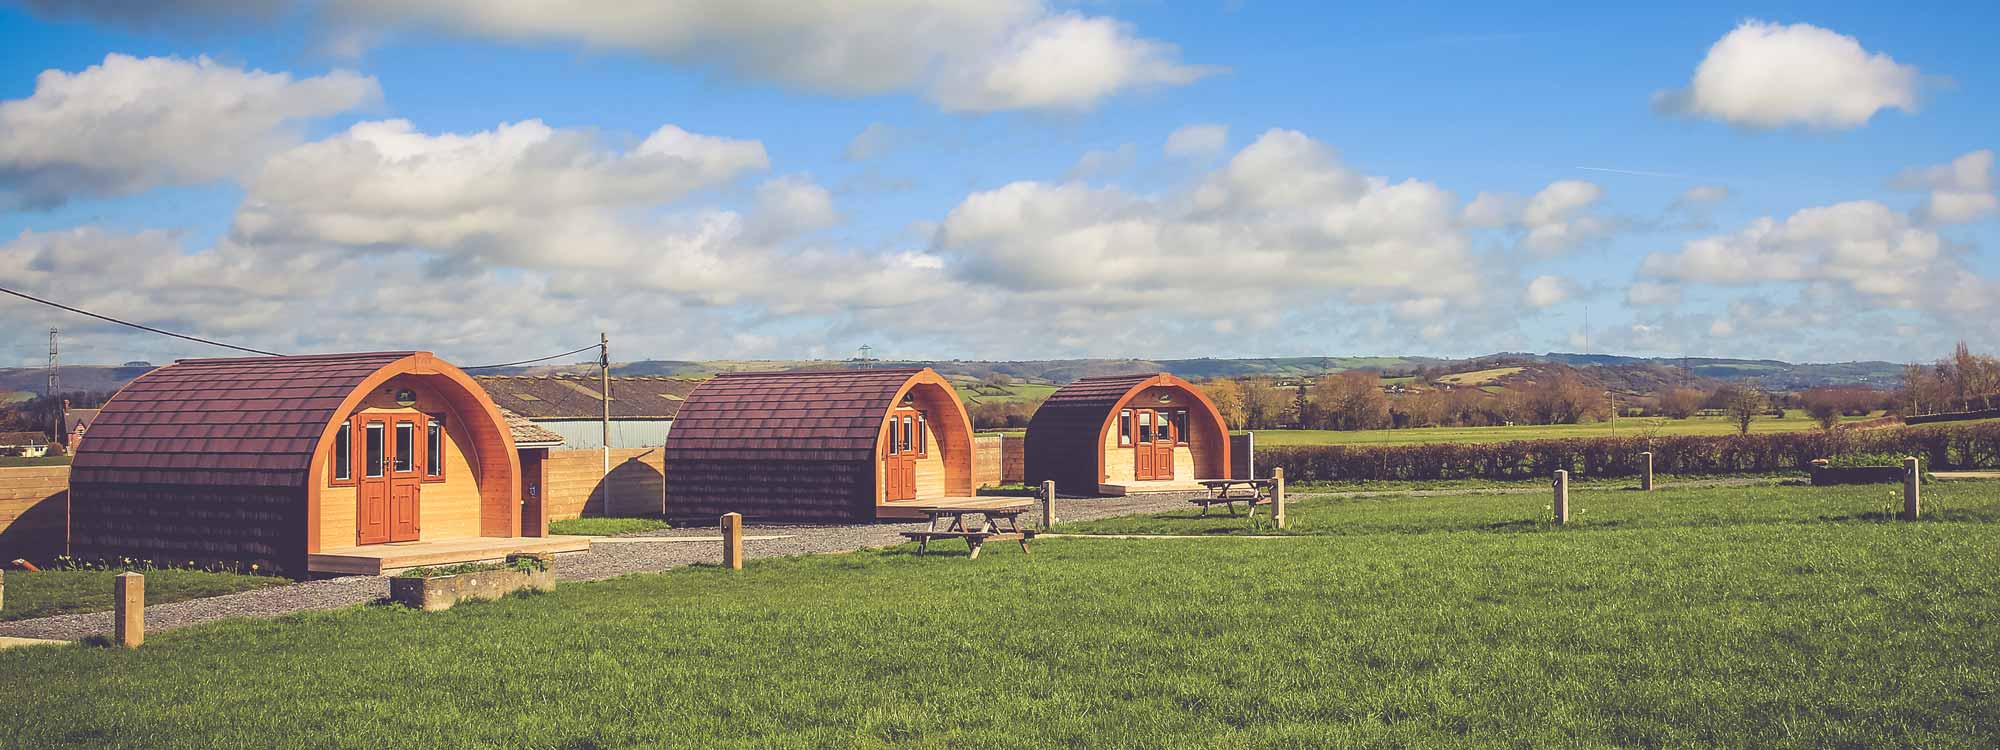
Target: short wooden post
(128,599)
(1048,504)
(1562,497)
(1646,480)
(1913,479)
(732,540)
(1278,497)
(3,589)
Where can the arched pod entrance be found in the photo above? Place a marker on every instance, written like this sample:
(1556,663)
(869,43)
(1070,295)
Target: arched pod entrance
(1123,434)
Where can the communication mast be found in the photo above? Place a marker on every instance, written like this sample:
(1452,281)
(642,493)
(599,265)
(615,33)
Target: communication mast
(55,363)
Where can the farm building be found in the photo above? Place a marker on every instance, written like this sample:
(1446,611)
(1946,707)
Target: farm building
(642,408)
(75,423)
(1124,434)
(28,444)
(340,463)
(822,446)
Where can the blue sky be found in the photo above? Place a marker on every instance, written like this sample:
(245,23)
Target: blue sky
(1002,179)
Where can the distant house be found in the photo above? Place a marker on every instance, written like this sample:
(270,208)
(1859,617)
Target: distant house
(642,408)
(75,423)
(28,444)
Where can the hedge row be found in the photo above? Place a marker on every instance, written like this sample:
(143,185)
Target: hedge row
(1942,447)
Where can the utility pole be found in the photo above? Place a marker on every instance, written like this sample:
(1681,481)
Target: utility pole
(604,375)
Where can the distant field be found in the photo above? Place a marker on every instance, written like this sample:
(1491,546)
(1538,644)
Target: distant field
(974,393)
(15,397)
(1627,427)
(1479,377)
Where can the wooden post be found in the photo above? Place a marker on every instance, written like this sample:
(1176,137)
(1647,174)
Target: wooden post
(604,372)
(1562,497)
(3,589)
(1278,497)
(1913,479)
(732,540)
(1646,480)
(128,600)
(1048,505)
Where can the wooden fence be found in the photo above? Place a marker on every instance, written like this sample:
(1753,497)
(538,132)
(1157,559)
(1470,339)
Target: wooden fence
(577,485)
(34,511)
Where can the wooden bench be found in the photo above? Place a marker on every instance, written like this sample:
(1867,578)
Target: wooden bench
(973,539)
(1229,492)
(1001,522)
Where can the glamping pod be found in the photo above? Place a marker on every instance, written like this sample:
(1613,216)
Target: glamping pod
(841,445)
(338,463)
(1124,434)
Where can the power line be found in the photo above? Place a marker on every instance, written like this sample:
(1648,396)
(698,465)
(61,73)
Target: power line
(532,361)
(150,329)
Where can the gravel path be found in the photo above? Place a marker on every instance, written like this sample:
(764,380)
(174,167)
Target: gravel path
(609,560)
(603,561)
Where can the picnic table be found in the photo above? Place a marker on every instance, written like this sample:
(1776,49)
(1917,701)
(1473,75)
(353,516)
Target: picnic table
(1000,519)
(1251,492)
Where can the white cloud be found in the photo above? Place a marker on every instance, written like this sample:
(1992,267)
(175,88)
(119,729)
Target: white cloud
(1547,290)
(1558,218)
(973,55)
(1864,248)
(1960,191)
(791,206)
(1643,293)
(1197,141)
(521,193)
(1282,217)
(130,124)
(1493,210)
(1767,75)
(204,14)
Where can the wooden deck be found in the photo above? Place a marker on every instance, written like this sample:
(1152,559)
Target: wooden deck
(379,559)
(1141,488)
(914,510)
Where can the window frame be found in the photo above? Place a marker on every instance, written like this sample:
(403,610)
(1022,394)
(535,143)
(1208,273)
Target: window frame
(379,430)
(434,441)
(1180,420)
(399,462)
(1144,435)
(923,437)
(1125,428)
(340,460)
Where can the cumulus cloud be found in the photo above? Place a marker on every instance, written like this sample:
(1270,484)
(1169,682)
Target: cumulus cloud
(1702,195)
(1492,210)
(521,193)
(874,141)
(1547,290)
(160,13)
(975,56)
(1197,141)
(131,124)
(1645,293)
(1551,222)
(1960,191)
(1863,248)
(1767,75)
(1283,216)
(788,207)
(1099,163)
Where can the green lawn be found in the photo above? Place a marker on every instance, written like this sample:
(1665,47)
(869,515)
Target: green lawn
(1592,507)
(976,393)
(1626,427)
(60,592)
(6,461)
(606,526)
(1758,619)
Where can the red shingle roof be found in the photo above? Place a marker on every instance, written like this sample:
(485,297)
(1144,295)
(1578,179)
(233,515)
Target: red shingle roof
(816,416)
(249,421)
(571,397)
(1063,441)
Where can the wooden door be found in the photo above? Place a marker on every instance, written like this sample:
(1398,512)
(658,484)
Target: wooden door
(899,456)
(531,491)
(1165,437)
(1142,445)
(371,445)
(406,477)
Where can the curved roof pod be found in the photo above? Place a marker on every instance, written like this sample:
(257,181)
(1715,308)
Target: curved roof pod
(1073,438)
(227,459)
(809,445)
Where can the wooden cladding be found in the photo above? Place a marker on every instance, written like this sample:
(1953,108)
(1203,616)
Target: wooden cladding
(34,511)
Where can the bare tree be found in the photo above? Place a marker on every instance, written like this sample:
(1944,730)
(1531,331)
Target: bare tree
(1742,404)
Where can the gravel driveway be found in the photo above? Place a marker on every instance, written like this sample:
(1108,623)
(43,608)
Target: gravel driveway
(602,561)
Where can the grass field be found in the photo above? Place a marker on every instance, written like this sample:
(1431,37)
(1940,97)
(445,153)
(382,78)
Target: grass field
(1630,427)
(1727,620)
(1479,377)
(60,592)
(978,393)
(6,461)
(606,526)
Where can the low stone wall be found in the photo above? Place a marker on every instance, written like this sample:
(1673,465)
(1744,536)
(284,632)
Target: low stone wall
(578,487)
(34,511)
